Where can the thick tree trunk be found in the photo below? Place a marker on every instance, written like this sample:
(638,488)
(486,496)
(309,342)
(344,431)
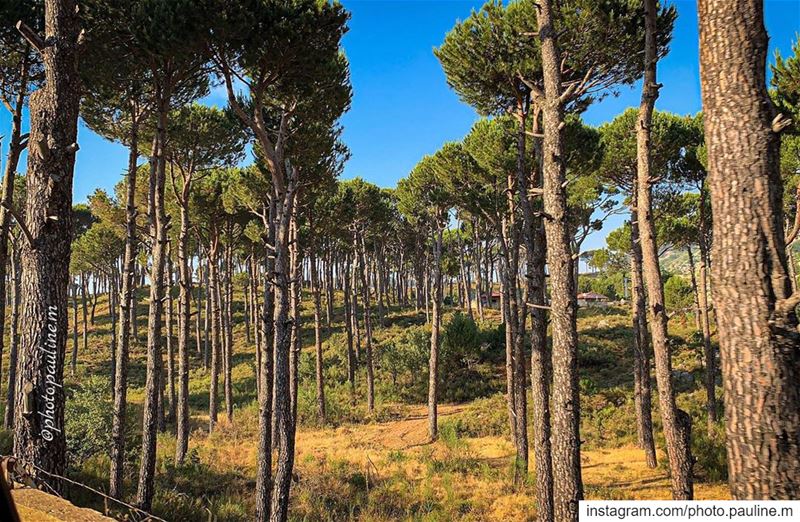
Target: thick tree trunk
(433,362)
(567,482)
(123,338)
(756,310)
(642,395)
(39,423)
(676,428)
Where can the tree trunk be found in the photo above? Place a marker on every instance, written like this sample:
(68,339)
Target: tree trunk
(216,327)
(265,403)
(15,149)
(695,289)
(642,395)
(433,363)
(158,231)
(756,316)
(540,354)
(360,249)
(13,358)
(567,483)
(171,395)
(702,297)
(317,293)
(348,324)
(74,359)
(184,312)
(125,309)
(227,311)
(284,424)
(676,429)
(39,425)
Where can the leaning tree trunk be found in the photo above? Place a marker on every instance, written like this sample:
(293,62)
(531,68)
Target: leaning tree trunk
(123,338)
(433,363)
(642,395)
(567,482)
(757,320)
(39,423)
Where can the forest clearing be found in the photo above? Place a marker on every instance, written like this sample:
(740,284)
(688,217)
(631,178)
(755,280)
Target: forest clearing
(473,260)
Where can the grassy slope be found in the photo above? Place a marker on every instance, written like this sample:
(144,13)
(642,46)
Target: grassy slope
(379,467)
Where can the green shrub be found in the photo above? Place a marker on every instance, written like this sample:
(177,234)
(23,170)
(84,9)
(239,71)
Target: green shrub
(88,419)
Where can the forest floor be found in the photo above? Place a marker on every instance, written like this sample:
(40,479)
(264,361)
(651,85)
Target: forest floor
(380,466)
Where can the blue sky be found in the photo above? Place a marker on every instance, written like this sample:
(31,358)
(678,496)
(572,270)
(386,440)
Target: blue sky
(402,107)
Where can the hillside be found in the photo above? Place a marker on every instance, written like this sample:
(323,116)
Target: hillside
(380,467)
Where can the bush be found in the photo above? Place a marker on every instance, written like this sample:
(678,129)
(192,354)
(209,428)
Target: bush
(88,419)
(461,343)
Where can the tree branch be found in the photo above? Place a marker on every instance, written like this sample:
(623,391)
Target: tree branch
(31,36)
(19,221)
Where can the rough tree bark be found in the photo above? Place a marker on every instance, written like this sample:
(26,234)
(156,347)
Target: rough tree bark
(642,394)
(540,378)
(756,314)
(677,424)
(567,482)
(39,423)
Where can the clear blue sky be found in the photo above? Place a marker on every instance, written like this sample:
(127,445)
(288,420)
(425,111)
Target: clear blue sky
(402,107)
